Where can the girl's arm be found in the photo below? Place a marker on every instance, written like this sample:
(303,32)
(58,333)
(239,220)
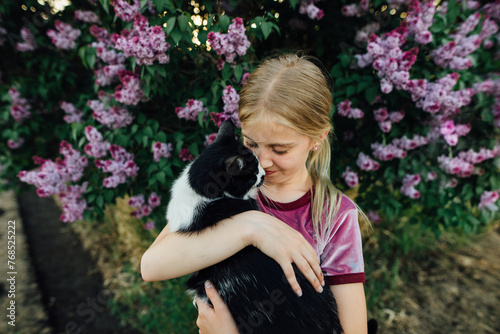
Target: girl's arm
(351,305)
(175,254)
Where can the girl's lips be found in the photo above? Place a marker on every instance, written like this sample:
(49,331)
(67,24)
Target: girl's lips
(268,172)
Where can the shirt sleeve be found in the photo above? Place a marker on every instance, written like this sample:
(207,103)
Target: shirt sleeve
(342,255)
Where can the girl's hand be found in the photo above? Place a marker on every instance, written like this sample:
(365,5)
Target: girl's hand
(216,320)
(286,246)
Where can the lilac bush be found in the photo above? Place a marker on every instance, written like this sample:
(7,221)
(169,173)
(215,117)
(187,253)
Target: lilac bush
(131,91)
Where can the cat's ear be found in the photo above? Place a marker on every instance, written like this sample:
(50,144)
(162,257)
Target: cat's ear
(226,130)
(234,165)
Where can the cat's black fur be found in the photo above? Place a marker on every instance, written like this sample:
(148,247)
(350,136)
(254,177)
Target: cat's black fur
(252,285)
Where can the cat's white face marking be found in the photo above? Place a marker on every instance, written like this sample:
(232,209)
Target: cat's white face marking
(260,179)
(183,204)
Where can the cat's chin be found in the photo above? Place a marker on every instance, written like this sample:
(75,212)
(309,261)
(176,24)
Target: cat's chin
(252,193)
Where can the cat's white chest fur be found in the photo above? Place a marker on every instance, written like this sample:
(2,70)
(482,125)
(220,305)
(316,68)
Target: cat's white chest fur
(183,204)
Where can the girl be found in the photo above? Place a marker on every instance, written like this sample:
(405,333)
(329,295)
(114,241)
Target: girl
(284,113)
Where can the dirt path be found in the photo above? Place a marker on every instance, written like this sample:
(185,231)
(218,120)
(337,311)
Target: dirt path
(71,285)
(452,292)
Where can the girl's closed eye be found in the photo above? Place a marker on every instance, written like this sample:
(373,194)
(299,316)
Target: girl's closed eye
(254,145)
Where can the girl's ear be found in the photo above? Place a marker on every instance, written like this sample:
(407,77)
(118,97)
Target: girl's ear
(324,135)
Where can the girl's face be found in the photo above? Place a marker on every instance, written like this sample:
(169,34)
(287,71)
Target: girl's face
(281,151)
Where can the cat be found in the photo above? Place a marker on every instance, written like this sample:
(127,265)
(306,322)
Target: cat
(220,183)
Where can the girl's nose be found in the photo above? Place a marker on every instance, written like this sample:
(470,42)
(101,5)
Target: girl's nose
(264,158)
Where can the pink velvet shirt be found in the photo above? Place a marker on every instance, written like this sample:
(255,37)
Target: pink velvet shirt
(339,248)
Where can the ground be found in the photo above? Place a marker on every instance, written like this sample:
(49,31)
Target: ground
(58,285)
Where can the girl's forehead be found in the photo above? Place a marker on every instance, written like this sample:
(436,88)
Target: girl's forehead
(266,132)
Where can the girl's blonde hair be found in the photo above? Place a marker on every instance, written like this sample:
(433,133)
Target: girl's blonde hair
(293,91)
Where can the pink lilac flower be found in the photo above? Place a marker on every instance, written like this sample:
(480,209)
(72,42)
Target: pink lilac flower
(366,163)
(29,43)
(141,208)
(115,62)
(488,199)
(419,19)
(103,37)
(129,91)
(72,114)
(407,144)
(87,16)
(185,155)
(244,78)
(97,147)
(150,225)
(437,96)
(350,177)
(51,178)
(409,183)
(356,9)
(125,10)
(453,54)
(64,36)
(449,184)
(143,42)
(477,157)
(390,62)
(191,110)
(492,10)
(230,111)
(121,166)
(113,117)
(73,204)
(451,132)
(209,139)
(235,42)
(363,34)
(344,109)
(489,28)
(308,7)
(456,166)
(14,144)
(374,217)
(431,176)
(387,152)
(385,119)
(20,109)
(162,150)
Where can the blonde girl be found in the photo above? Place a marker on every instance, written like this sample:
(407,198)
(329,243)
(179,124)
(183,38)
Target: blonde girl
(284,113)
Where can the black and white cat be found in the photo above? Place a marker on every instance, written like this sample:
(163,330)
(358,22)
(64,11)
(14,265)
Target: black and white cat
(221,183)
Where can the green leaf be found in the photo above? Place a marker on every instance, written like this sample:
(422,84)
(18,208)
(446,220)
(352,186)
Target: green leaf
(350,90)
(161,137)
(193,148)
(105,5)
(452,11)
(170,25)
(345,60)
(109,195)
(176,35)
(238,72)
(293,3)
(371,93)
(100,201)
(224,22)
(160,5)
(182,20)
(266,28)
(161,177)
(226,72)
